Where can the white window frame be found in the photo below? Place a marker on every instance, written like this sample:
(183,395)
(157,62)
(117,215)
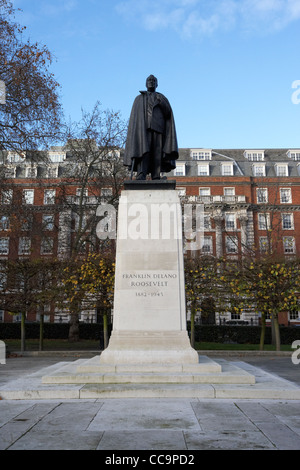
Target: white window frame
(207,221)
(289,246)
(255,155)
(28,196)
(49,196)
(285,195)
(31,171)
(230,221)
(204,191)
(180,169)
(262,195)
(231,245)
(259,170)
(229,191)
(279,169)
(4,223)
(294,154)
(227,168)
(52,171)
(203,169)
(181,192)
(47,244)
(7,196)
(207,245)
(4,246)
(48,222)
(263,244)
(24,246)
(287,220)
(56,157)
(263,221)
(201,154)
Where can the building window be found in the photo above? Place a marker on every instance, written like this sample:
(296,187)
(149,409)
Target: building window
(230,221)
(52,171)
(203,154)
(47,246)
(289,246)
(204,191)
(4,222)
(282,169)
(27,223)
(261,195)
(259,170)
(181,191)
(294,314)
(227,169)
(229,191)
(56,157)
(287,221)
(231,245)
(28,196)
(31,172)
(264,246)
(285,195)
(106,192)
(7,195)
(24,246)
(263,221)
(294,155)
(206,245)
(179,170)
(254,155)
(4,245)
(207,222)
(203,170)
(48,222)
(13,157)
(49,196)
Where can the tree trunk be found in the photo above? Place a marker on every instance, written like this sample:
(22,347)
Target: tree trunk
(276,331)
(105,331)
(41,343)
(74,328)
(262,332)
(193,312)
(23,345)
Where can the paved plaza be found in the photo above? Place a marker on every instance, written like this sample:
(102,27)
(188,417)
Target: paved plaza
(162,424)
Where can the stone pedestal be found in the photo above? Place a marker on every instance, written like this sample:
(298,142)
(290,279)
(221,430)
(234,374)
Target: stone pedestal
(149,318)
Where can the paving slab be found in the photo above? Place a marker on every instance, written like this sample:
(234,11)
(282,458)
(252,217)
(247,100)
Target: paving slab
(144,424)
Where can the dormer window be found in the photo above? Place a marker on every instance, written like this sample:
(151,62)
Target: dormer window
(57,157)
(180,169)
(31,171)
(201,154)
(259,170)
(14,157)
(203,169)
(255,155)
(282,169)
(227,168)
(294,155)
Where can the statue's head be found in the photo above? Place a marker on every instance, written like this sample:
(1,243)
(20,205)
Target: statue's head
(151,83)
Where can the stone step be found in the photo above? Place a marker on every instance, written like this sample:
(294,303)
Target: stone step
(74,374)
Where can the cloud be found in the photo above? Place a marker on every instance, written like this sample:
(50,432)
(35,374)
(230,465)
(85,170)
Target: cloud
(204,17)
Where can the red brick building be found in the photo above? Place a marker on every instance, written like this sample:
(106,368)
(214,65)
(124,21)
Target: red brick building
(251,200)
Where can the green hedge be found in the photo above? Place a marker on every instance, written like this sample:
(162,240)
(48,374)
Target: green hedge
(243,334)
(205,333)
(51,330)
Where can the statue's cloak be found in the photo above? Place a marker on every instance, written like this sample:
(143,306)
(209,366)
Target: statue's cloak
(137,144)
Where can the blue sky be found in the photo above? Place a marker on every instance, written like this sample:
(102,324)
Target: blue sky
(226,66)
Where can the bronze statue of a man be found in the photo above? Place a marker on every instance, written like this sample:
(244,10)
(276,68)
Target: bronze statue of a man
(151,146)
